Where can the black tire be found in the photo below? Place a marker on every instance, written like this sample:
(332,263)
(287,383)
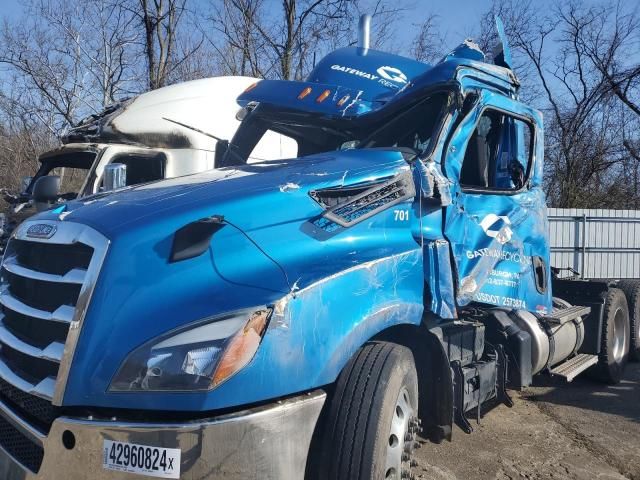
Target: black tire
(361,414)
(615,329)
(631,289)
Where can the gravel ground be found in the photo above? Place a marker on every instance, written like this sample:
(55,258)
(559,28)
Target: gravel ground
(581,430)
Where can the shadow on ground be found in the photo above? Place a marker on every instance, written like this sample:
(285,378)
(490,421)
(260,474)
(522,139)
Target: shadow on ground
(622,400)
(577,431)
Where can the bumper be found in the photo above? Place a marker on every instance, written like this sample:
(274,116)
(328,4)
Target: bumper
(269,442)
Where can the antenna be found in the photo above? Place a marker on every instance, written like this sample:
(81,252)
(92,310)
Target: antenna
(364,31)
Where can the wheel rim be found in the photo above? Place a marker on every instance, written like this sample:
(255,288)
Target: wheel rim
(620,335)
(399,435)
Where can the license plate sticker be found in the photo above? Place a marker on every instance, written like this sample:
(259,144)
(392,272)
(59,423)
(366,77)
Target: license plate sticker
(141,459)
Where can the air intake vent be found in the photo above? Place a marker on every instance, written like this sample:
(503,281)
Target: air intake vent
(16,444)
(373,200)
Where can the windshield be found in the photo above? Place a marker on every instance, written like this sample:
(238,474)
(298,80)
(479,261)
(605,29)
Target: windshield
(272,133)
(71,167)
(414,128)
(398,126)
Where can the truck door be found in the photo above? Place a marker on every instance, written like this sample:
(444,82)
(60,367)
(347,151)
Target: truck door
(497,222)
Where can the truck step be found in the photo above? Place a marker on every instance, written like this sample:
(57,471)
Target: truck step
(574,366)
(560,317)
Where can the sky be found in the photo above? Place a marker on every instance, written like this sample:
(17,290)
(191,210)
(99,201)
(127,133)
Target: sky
(456,25)
(458,17)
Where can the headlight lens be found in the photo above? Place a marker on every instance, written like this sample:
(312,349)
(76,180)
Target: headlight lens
(198,358)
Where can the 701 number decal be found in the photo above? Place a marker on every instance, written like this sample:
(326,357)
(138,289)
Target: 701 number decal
(401,215)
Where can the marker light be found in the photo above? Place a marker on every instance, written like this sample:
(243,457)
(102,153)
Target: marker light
(343,100)
(241,349)
(304,93)
(250,87)
(323,96)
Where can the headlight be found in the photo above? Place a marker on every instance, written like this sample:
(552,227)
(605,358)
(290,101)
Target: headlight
(197,358)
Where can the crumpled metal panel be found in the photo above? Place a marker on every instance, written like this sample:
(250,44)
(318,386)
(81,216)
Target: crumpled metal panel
(438,274)
(495,235)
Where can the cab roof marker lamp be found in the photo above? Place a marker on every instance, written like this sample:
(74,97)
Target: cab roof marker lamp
(323,96)
(343,100)
(304,93)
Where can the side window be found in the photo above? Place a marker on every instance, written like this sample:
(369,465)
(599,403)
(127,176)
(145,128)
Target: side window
(273,146)
(498,154)
(142,168)
(71,179)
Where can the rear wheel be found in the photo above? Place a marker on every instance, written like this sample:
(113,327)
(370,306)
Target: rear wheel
(615,338)
(631,289)
(372,419)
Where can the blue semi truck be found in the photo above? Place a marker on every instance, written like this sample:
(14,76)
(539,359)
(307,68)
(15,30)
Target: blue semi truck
(306,317)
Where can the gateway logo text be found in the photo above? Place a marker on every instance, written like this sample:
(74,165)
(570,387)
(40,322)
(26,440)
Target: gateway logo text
(354,71)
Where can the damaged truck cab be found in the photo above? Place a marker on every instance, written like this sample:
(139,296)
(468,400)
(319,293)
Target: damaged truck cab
(304,317)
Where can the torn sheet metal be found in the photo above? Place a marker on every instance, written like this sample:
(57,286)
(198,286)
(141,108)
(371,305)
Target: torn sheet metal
(439,279)
(502,52)
(430,182)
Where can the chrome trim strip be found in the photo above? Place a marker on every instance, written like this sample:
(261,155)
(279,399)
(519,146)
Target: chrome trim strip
(44,389)
(35,435)
(63,314)
(52,353)
(75,276)
(75,232)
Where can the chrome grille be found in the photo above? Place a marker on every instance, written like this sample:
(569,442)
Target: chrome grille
(45,287)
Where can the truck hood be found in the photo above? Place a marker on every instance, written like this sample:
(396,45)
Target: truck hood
(269,251)
(253,196)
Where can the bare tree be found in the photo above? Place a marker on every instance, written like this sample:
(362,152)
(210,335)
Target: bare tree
(611,41)
(23,137)
(427,45)
(236,42)
(585,154)
(75,57)
(166,50)
(283,41)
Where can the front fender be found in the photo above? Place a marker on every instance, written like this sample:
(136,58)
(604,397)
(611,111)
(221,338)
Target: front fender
(320,328)
(311,336)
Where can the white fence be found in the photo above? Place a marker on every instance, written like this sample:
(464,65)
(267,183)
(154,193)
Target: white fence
(597,243)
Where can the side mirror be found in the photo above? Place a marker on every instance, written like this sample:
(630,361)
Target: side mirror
(26,181)
(114,177)
(222,146)
(46,189)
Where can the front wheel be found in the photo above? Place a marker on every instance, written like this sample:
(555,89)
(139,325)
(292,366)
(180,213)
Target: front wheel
(372,418)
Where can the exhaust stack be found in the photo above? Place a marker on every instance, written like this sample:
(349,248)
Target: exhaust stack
(364,31)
